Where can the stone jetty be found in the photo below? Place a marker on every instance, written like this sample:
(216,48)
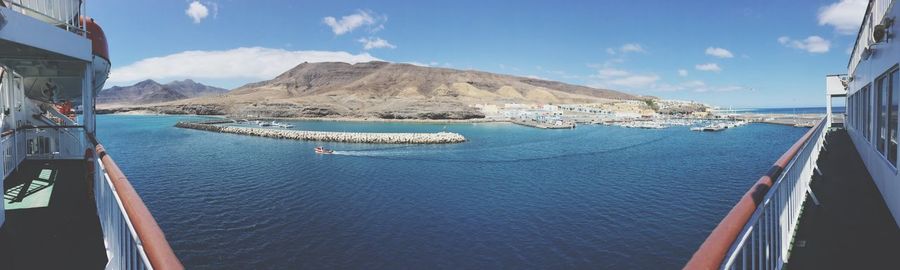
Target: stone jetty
(330,136)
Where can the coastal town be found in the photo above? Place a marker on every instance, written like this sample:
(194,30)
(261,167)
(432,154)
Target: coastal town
(646,114)
(640,114)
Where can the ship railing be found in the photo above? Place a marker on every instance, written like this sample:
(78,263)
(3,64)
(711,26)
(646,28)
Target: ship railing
(133,238)
(758,232)
(12,154)
(61,13)
(53,142)
(40,142)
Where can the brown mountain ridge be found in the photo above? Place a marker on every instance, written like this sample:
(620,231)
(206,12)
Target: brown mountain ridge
(385,90)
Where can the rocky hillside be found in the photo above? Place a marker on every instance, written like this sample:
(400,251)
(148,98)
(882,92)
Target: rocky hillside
(150,92)
(382,90)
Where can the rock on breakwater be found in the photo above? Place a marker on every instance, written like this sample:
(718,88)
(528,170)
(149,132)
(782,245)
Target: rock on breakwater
(330,136)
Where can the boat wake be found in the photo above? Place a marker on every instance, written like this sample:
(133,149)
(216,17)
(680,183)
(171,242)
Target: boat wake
(406,153)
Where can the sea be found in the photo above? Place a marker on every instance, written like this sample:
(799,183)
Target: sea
(800,110)
(512,197)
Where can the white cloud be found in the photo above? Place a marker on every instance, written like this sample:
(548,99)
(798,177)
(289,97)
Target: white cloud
(812,44)
(708,67)
(626,48)
(632,47)
(719,52)
(606,73)
(665,87)
(375,43)
(727,88)
(635,81)
(611,78)
(845,16)
(619,77)
(197,11)
(682,72)
(255,63)
(695,86)
(350,22)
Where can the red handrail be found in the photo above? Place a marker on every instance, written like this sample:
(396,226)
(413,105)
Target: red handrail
(713,251)
(152,238)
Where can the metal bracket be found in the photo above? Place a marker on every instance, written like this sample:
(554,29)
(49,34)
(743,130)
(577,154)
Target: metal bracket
(813,196)
(809,188)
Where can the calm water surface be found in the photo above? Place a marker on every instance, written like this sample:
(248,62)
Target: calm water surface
(804,110)
(512,197)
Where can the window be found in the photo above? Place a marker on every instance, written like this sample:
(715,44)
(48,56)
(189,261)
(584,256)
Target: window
(859,112)
(853,113)
(867,115)
(856,111)
(894,87)
(881,114)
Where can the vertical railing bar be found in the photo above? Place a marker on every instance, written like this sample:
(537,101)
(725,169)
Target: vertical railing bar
(744,259)
(773,243)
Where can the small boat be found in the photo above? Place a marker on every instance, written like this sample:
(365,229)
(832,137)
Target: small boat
(281,125)
(323,150)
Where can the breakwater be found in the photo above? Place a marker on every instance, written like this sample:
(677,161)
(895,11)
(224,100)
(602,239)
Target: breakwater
(331,136)
(535,124)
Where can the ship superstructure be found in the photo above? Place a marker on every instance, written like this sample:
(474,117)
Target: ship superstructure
(66,203)
(832,201)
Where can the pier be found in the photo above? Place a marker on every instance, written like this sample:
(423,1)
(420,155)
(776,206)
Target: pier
(331,136)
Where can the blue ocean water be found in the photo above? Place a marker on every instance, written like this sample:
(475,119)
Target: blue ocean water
(512,197)
(802,110)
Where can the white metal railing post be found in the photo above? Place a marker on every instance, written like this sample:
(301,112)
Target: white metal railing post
(765,240)
(122,241)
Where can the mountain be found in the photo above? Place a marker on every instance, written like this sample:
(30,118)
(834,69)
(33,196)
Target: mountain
(149,91)
(388,90)
(193,89)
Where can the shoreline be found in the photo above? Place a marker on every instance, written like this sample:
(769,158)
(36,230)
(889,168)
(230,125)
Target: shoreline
(780,119)
(324,119)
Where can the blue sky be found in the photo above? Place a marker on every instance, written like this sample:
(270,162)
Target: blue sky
(727,53)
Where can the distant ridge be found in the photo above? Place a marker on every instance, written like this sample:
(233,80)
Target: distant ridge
(149,92)
(389,91)
(379,78)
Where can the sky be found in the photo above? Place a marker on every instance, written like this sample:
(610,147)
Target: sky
(742,53)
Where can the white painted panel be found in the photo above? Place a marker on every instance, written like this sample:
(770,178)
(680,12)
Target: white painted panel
(29,31)
(885,56)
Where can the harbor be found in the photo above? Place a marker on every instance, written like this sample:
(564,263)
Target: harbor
(492,165)
(536,124)
(719,126)
(329,136)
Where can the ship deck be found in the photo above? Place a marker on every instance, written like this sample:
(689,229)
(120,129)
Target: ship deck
(51,224)
(852,227)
